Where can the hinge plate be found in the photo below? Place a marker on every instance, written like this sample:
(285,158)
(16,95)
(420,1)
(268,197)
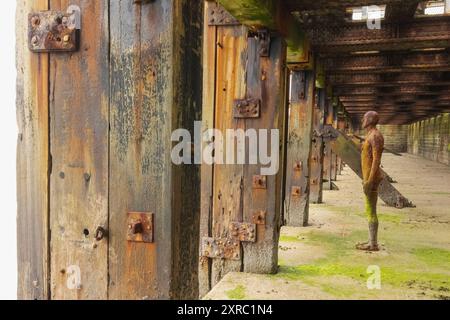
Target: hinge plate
(52,31)
(243,231)
(247,108)
(140,227)
(221,248)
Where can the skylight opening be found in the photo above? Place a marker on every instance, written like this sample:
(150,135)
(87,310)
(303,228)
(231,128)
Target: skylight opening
(368,13)
(435,10)
(432,8)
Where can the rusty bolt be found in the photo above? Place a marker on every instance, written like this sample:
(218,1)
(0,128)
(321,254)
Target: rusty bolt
(136,227)
(35,40)
(35,21)
(100,233)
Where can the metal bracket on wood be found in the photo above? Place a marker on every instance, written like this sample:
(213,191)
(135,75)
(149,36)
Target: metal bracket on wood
(53,31)
(243,231)
(218,16)
(140,227)
(247,108)
(221,248)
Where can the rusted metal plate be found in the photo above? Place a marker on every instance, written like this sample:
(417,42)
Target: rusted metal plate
(243,231)
(50,31)
(247,108)
(218,16)
(140,227)
(221,248)
(259,217)
(259,182)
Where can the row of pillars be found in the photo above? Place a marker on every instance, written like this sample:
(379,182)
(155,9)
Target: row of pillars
(311,164)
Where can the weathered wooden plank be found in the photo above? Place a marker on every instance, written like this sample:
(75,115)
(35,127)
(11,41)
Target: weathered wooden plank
(228,197)
(33,161)
(317,150)
(187,101)
(351,154)
(79,111)
(328,152)
(301,114)
(265,81)
(207,171)
(156,89)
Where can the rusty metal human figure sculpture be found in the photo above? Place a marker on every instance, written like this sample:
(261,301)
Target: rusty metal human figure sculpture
(372,150)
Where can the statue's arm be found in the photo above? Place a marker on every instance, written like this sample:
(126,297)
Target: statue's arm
(377,151)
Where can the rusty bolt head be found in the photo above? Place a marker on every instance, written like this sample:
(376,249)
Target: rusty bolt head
(137,227)
(35,21)
(35,40)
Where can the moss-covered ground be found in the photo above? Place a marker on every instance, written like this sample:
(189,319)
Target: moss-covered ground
(320,261)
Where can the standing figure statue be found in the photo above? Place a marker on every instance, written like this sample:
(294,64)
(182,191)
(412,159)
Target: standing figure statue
(372,149)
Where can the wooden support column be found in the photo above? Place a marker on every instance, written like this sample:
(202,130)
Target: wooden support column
(300,129)
(79,108)
(328,153)
(317,149)
(33,161)
(334,157)
(95,145)
(155,89)
(238,193)
(341,126)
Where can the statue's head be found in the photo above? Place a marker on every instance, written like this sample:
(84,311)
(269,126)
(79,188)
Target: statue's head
(370,119)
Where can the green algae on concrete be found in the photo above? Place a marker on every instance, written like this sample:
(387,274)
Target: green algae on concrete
(433,256)
(237,293)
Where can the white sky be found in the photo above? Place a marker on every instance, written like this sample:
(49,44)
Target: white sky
(8,138)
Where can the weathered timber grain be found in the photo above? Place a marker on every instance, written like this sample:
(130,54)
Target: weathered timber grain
(265,79)
(317,150)
(228,184)
(296,211)
(33,161)
(208,113)
(79,111)
(155,89)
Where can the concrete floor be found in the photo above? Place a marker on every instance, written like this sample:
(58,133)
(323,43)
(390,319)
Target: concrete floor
(320,262)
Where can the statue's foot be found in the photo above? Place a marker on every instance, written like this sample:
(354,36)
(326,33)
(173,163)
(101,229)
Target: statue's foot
(367,247)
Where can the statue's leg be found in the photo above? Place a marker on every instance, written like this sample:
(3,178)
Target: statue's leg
(371,212)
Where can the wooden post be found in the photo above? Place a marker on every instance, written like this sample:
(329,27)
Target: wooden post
(33,161)
(155,89)
(237,193)
(328,153)
(334,157)
(317,149)
(300,129)
(95,144)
